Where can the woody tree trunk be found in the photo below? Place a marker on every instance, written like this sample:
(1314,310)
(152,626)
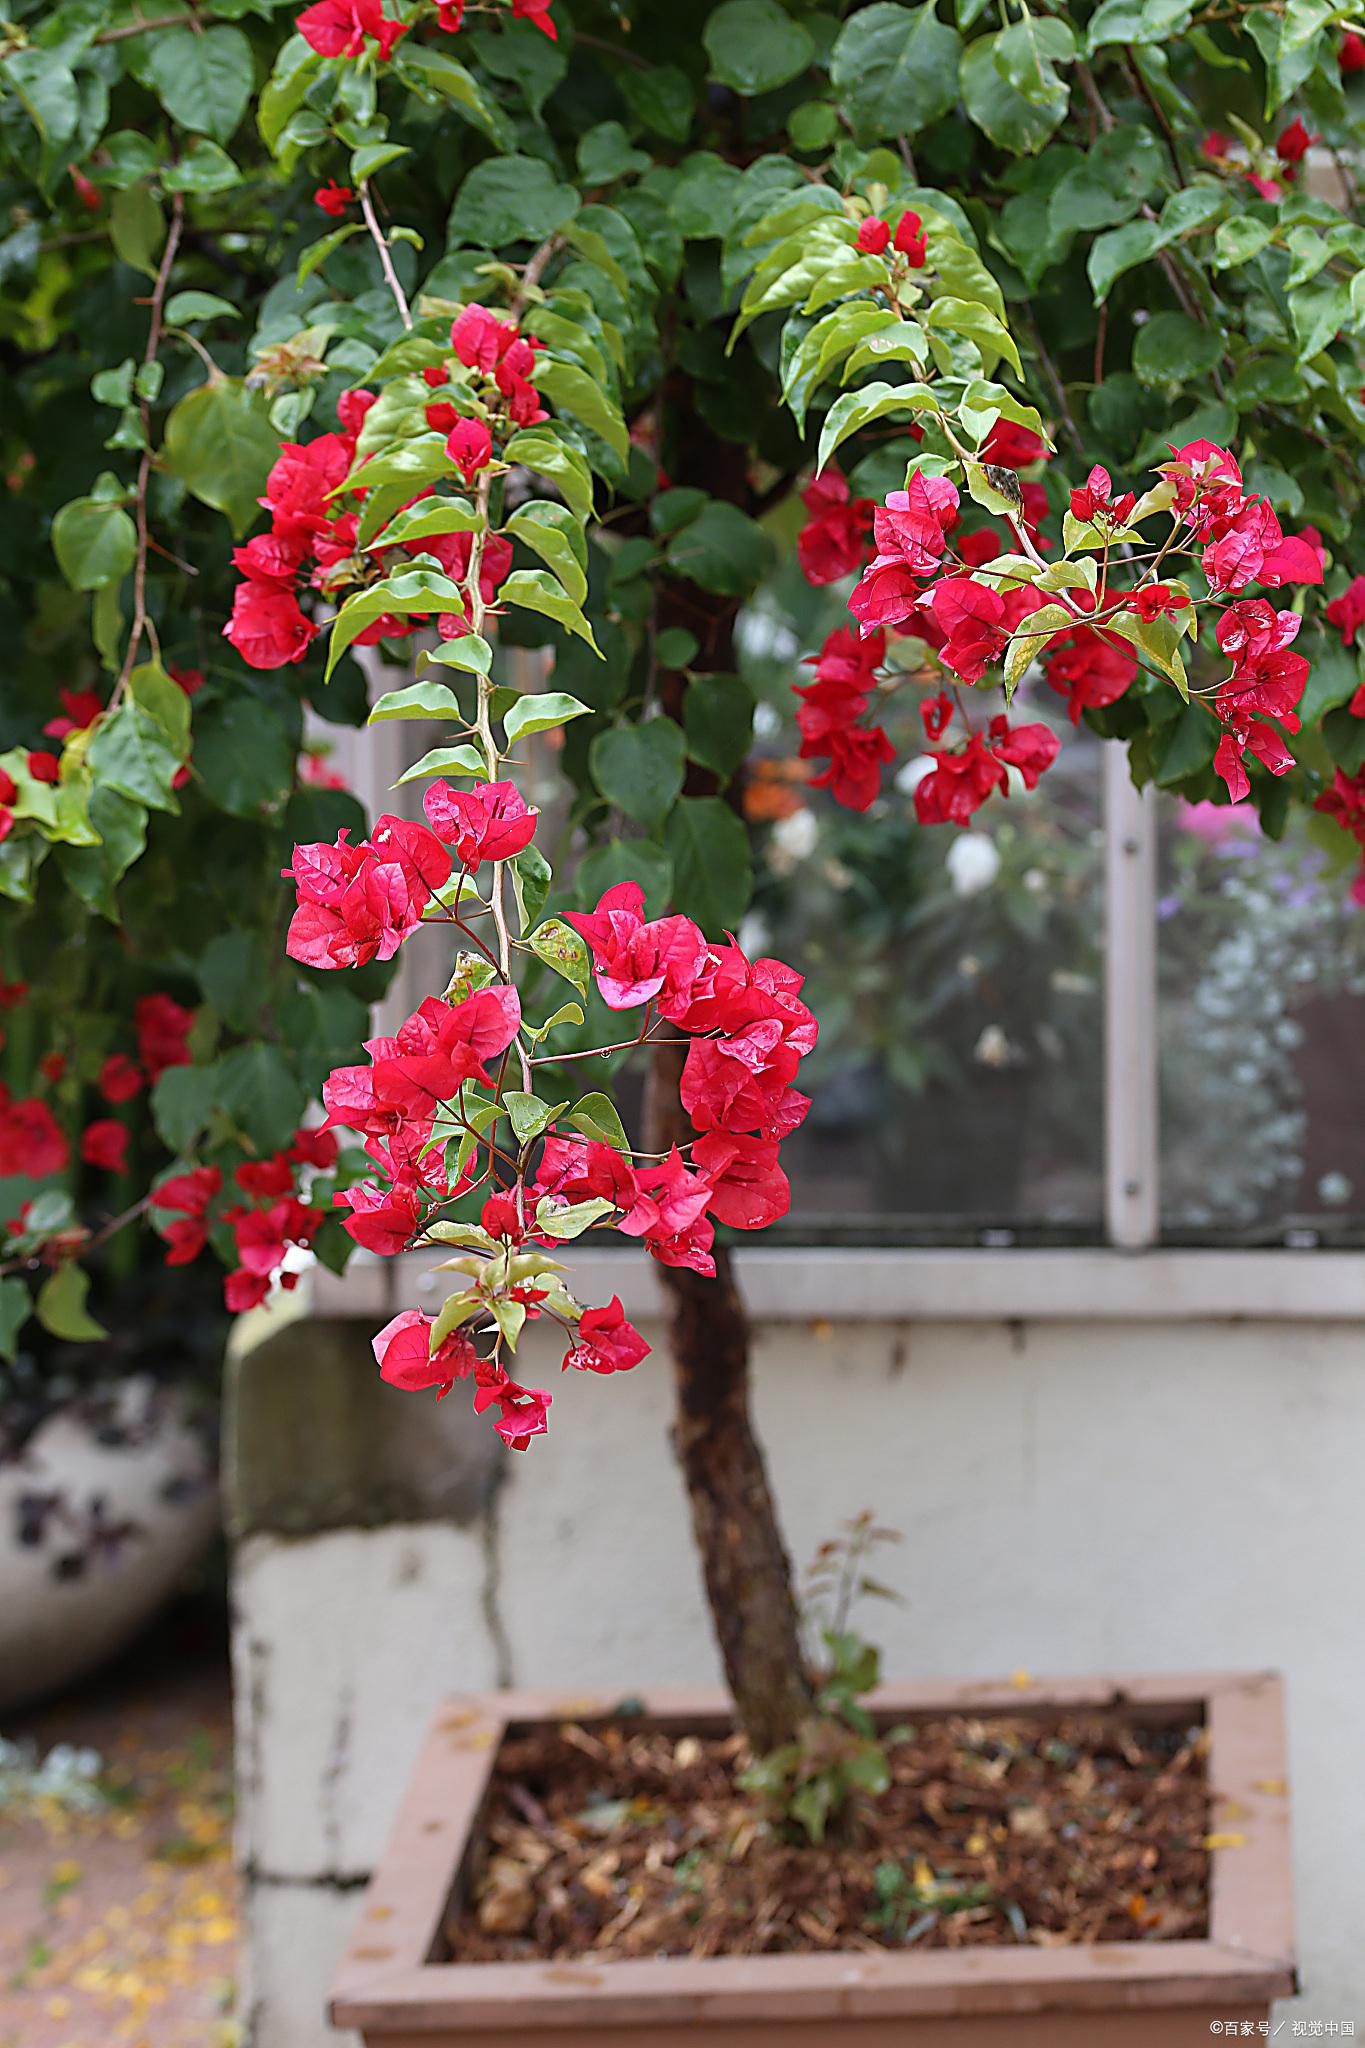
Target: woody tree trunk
(743,1558)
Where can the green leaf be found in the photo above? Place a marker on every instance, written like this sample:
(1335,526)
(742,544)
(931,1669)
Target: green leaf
(1170,348)
(755,46)
(259,1089)
(1030,640)
(426,520)
(317,252)
(1239,240)
(979,324)
(721,549)
(560,947)
(661,97)
(1012,120)
(471,653)
(133,753)
(857,409)
(528,1115)
(203,77)
(244,756)
(184,307)
(374,156)
(573,1220)
(437,71)
(446,761)
(60,1305)
(1317,311)
(221,445)
(556,536)
(712,867)
(540,712)
(92,872)
(417,700)
(203,168)
(95,544)
(718,719)
(1122,249)
(137,228)
(510,199)
(537,591)
(537,450)
(530,883)
(605,153)
(895,68)
(627,860)
(571,390)
(595,1115)
(639,768)
(50,97)
(15,1310)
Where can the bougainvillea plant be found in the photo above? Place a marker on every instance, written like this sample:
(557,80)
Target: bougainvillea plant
(401,335)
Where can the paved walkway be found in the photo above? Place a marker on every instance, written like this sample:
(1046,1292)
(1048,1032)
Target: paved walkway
(118,1926)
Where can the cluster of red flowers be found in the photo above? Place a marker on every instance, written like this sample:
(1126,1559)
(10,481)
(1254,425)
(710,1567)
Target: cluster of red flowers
(342,28)
(313,537)
(909,536)
(264,1227)
(954,593)
(750,1032)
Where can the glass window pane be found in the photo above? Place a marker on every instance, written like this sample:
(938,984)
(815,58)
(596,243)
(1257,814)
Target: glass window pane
(957,1089)
(1261,958)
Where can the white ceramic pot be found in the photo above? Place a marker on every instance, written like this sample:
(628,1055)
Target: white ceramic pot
(102,1512)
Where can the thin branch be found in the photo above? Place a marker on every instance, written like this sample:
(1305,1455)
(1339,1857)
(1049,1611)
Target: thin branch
(141,28)
(385,260)
(141,622)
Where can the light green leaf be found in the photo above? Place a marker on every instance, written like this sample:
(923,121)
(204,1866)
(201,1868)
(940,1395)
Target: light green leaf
(417,700)
(538,450)
(60,1305)
(595,1115)
(857,409)
(540,712)
(556,536)
(537,590)
(571,390)
(446,761)
(560,947)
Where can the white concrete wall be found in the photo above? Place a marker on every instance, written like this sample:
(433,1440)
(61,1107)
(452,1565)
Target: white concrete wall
(1079,1495)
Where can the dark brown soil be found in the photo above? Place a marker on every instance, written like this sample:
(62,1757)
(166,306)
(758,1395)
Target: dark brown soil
(618,1841)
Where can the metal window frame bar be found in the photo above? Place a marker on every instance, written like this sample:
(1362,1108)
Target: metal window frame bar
(1132,1189)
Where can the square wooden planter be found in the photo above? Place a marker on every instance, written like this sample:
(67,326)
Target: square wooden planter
(396,1991)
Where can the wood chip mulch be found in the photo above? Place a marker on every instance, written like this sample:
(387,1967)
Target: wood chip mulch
(618,1841)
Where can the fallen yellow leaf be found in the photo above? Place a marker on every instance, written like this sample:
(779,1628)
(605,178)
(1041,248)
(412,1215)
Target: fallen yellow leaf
(1225,1841)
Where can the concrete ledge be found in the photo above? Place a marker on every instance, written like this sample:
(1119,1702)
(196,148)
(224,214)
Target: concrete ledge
(313,1439)
(934,1286)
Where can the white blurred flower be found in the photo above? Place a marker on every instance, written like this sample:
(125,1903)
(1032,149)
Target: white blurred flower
(1035,881)
(972,863)
(793,840)
(753,936)
(992,1049)
(909,777)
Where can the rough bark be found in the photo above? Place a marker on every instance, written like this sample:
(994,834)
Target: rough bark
(743,1558)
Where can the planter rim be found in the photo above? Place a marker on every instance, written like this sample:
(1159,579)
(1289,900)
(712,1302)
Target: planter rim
(386,1983)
